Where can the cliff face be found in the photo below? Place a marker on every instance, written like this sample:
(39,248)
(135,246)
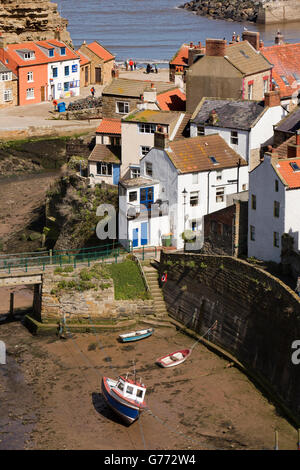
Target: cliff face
(31,20)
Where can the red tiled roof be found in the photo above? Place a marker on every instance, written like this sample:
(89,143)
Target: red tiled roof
(40,56)
(172,100)
(109,126)
(100,51)
(83,59)
(181,56)
(290,177)
(286,61)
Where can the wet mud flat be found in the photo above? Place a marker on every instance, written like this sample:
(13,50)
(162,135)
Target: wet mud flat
(50,395)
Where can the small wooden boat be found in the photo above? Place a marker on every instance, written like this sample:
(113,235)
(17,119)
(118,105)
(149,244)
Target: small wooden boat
(136,335)
(125,397)
(174,358)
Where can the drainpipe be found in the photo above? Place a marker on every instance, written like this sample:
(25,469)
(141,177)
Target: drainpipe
(209,171)
(238,174)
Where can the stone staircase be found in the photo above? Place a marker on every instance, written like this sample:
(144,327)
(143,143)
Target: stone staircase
(151,275)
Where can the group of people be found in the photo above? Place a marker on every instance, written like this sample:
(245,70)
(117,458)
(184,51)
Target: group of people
(150,69)
(130,64)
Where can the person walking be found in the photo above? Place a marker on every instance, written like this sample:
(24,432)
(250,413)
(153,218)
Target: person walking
(93,91)
(131,64)
(155,67)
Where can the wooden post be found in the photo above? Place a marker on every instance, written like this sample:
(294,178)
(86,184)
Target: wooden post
(276,441)
(50,254)
(11,306)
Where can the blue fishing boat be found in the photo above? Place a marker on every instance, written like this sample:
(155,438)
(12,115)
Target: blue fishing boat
(125,397)
(136,335)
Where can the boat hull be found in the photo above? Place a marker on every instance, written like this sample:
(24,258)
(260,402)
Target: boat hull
(166,361)
(135,336)
(129,413)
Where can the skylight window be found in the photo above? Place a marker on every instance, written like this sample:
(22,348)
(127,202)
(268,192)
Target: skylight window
(274,82)
(244,54)
(295,166)
(284,79)
(296,76)
(213,160)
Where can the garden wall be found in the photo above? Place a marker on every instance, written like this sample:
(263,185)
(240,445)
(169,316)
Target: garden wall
(258,316)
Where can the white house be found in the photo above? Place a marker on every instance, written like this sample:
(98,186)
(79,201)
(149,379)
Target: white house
(138,129)
(63,74)
(274,203)
(180,182)
(244,124)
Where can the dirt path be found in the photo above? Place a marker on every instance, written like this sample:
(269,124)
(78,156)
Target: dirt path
(51,390)
(20,201)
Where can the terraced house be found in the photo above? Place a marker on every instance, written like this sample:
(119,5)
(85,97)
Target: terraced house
(45,69)
(8,87)
(236,70)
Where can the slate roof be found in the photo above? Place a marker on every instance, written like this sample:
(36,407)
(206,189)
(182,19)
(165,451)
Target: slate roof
(100,51)
(193,154)
(136,182)
(286,61)
(172,100)
(246,59)
(109,126)
(134,88)
(233,114)
(288,176)
(106,153)
(152,116)
(291,122)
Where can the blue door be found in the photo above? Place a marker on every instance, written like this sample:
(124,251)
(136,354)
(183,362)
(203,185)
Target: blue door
(135,237)
(144,233)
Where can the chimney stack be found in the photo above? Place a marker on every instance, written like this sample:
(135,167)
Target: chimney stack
(161,140)
(252,37)
(3,42)
(293,150)
(279,38)
(272,98)
(215,47)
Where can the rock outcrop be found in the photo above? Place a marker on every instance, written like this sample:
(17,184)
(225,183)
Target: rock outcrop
(236,10)
(31,20)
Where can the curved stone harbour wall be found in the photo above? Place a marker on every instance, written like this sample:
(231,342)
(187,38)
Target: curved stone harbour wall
(268,12)
(258,316)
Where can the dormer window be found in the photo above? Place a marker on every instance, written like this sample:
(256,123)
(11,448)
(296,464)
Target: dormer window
(62,51)
(51,52)
(29,55)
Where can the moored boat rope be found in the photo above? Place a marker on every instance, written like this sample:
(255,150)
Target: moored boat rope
(213,327)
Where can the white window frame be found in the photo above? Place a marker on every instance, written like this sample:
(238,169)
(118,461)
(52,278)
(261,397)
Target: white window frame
(148,165)
(234,138)
(136,198)
(147,128)
(194,198)
(135,172)
(105,165)
(29,77)
(29,55)
(250,91)
(266,85)
(220,194)
(6,76)
(7,95)
(30,94)
(122,103)
(200,130)
(144,149)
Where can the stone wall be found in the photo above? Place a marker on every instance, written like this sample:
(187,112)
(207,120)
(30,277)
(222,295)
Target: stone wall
(98,306)
(109,105)
(258,316)
(9,85)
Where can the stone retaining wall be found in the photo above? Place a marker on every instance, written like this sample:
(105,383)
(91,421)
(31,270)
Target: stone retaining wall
(258,316)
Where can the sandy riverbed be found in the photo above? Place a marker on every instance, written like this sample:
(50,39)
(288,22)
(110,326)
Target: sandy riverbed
(51,391)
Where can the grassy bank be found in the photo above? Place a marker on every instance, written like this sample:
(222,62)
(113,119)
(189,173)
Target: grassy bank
(128,281)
